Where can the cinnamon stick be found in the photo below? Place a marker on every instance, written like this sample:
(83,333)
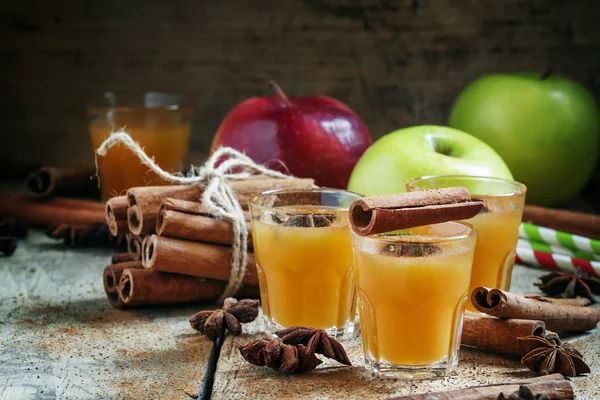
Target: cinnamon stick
(134,246)
(147,287)
(144,202)
(557,314)
(380,214)
(50,212)
(55,181)
(583,224)
(111,276)
(116,215)
(499,335)
(121,258)
(181,256)
(554,387)
(191,220)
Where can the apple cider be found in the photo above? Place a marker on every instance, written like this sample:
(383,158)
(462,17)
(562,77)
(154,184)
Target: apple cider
(304,258)
(497,225)
(411,290)
(161,129)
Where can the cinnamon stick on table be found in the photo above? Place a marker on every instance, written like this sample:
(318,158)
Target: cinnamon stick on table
(116,215)
(191,220)
(121,258)
(582,224)
(146,287)
(144,202)
(50,212)
(372,215)
(500,335)
(193,258)
(554,387)
(558,314)
(112,275)
(55,181)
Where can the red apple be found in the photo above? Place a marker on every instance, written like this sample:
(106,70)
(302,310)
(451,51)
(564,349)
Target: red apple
(310,137)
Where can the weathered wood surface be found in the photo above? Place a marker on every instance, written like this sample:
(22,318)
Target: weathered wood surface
(60,339)
(236,379)
(397,63)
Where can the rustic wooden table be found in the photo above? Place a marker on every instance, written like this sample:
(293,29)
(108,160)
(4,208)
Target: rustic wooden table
(60,339)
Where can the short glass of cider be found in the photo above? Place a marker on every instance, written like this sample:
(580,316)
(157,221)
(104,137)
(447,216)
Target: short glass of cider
(497,224)
(304,258)
(411,288)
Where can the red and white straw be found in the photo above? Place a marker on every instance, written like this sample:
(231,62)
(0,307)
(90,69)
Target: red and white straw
(557,261)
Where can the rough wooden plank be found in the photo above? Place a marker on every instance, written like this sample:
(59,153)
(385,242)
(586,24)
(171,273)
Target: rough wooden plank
(59,337)
(236,379)
(396,63)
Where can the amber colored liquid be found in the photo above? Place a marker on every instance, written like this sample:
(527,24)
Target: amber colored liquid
(497,237)
(305,274)
(410,307)
(120,169)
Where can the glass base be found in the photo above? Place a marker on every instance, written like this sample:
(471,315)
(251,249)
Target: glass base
(346,332)
(436,370)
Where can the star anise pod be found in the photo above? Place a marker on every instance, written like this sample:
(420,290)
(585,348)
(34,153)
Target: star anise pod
(545,357)
(570,285)
(524,393)
(229,319)
(281,357)
(316,340)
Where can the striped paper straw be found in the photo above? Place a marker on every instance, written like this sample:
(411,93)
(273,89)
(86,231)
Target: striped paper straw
(557,261)
(558,238)
(554,249)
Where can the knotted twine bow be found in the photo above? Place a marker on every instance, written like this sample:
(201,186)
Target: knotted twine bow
(218,197)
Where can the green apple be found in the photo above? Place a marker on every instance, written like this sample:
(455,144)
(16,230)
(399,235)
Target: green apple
(422,150)
(546,128)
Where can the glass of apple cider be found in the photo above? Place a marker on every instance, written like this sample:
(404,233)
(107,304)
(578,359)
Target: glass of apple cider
(411,287)
(159,122)
(304,258)
(497,224)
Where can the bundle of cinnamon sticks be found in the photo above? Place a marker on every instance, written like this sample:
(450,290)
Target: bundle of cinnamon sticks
(178,252)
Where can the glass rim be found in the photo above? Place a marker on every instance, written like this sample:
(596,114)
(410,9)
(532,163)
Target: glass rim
(253,200)
(389,239)
(185,104)
(518,186)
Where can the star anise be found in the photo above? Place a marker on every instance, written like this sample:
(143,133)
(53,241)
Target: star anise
(229,319)
(281,357)
(570,285)
(546,357)
(308,221)
(316,340)
(524,393)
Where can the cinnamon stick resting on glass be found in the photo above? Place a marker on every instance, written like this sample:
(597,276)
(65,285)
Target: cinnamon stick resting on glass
(55,181)
(373,215)
(181,256)
(142,287)
(144,202)
(561,315)
(191,220)
(500,335)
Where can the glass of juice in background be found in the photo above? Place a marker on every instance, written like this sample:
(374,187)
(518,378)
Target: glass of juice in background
(411,287)
(497,224)
(304,258)
(159,122)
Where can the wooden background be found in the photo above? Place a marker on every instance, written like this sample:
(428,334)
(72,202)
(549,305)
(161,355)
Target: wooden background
(396,63)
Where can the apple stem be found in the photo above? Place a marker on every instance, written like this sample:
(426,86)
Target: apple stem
(546,74)
(279,92)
